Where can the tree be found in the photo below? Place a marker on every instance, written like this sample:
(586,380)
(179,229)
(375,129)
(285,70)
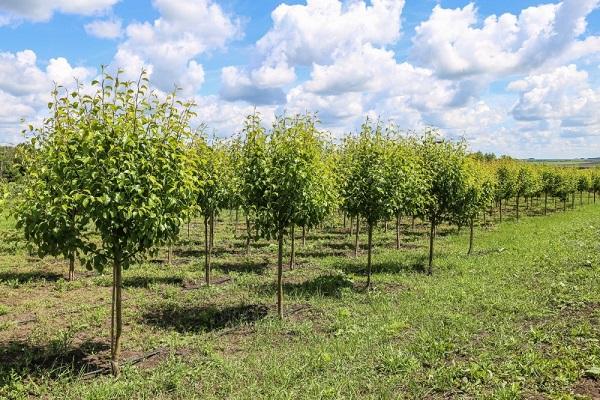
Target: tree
(526,185)
(478,193)
(214,173)
(408,179)
(253,166)
(445,165)
(130,176)
(368,190)
(584,184)
(506,178)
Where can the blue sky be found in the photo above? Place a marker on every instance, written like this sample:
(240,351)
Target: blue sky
(513,77)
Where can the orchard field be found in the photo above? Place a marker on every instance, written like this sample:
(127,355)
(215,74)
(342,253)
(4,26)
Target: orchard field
(516,319)
(142,257)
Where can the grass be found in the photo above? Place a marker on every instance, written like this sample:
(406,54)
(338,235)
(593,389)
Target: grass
(518,319)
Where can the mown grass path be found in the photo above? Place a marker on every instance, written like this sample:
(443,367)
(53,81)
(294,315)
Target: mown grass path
(518,319)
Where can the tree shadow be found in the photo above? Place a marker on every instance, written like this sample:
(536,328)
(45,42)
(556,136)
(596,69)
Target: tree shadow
(146,281)
(30,276)
(324,285)
(185,319)
(244,266)
(54,359)
(417,264)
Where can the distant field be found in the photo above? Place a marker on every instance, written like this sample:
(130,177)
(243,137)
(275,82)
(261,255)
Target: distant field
(576,162)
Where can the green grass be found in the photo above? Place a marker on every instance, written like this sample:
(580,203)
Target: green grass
(518,319)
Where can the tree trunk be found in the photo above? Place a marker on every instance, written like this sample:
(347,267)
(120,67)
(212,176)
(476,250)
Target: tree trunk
(293,249)
(356,237)
(169,254)
(385,226)
(72,266)
(370,245)
(580,198)
(280,274)
(235,224)
(471,236)
(545,203)
(116,318)
(564,205)
(351,226)
(303,235)
(431,239)
(398,220)
(517,204)
(206,250)
(413,223)
(500,210)
(344,220)
(188,228)
(212,230)
(573,201)
(247,235)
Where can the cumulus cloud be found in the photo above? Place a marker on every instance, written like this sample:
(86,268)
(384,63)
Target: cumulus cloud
(451,43)
(105,29)
(42,10)
(169,45)
(317,32)
(25,88)
(562,96)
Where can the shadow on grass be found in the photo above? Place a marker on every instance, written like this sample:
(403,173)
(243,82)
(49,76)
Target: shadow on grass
(243,266)
(54,359)
(146,281)
(31,276)
(325,286)
(416,264)
(202,319)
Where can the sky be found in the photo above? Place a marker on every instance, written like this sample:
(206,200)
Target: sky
(516,77)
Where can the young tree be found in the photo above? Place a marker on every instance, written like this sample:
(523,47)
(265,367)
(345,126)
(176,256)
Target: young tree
(506,178)
(131,176)
(253,167)
(214,171)
(295,161)
(445,166)
(479,192)
(408,179)
(369,190)
(526,185)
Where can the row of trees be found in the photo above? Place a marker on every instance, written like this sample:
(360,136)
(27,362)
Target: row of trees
(116,171)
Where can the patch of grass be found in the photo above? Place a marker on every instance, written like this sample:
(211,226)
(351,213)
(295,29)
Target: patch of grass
(520,318)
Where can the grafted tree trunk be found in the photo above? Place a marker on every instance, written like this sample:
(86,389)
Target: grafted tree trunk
(280,273)
(370,245)
(116,317)
(247,235)
(235,224)
(431,241)
(356,237)
(72,266)
(207,250)
(169,254)
(303,235)
(471,223)
(500,210)
(398,221)
(293,249)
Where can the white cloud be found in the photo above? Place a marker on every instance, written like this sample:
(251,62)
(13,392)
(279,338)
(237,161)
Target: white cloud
(169,45)
(451,43)
(318,32)
(42,10)
(562,97)
(105,29)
